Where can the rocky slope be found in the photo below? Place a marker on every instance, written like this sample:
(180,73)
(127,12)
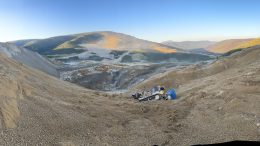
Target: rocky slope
(37,109)
(28,58)
(223,97)
(216,103)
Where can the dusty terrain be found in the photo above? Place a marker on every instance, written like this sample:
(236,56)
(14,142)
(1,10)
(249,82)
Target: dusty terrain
(216,103)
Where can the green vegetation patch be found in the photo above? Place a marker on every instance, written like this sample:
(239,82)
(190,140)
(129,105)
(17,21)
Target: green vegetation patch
(231,52)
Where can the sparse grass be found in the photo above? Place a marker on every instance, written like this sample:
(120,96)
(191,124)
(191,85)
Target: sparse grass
(64,45)
(82,39)
(228,45)
(111,41)
(164,49)
(250,43)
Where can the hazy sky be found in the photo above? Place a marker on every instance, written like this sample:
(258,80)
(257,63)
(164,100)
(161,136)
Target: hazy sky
(156,20)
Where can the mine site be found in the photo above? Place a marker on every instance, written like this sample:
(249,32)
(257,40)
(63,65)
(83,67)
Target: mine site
(117,87)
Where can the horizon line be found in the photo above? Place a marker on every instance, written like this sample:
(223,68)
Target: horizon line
(166,40)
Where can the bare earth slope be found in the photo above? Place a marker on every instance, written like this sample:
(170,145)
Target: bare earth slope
(37,109)
(29,58)
(217,103)
(224,98)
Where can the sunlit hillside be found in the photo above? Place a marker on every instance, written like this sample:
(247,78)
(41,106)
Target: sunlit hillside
(233,44)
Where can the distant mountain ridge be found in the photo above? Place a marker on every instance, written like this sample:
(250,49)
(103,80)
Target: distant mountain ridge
(105,40)
(188,45)
(215,47)
(233,44)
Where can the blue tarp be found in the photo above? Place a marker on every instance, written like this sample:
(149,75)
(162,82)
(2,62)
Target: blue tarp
(171,94)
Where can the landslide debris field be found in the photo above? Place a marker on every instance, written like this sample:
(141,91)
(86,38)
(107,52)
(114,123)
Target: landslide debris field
(216,103)
(123,70)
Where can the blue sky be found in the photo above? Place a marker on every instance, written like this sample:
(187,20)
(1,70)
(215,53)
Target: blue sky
(155,20)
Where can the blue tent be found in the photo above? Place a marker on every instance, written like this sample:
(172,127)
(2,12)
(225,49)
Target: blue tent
(171,94)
